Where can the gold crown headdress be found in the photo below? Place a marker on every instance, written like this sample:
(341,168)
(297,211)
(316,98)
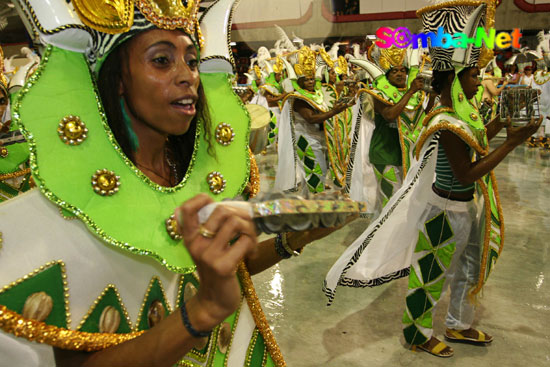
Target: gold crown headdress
(115,17)
(278,66)
(387,58)
(116,21)
(326,58)
(257,72)
(3,79)
(306,63)
(342,67)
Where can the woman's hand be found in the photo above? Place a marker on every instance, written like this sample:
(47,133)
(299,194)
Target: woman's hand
(209,246)
(517,135)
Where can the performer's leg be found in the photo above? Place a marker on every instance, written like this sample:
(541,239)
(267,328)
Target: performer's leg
(464,276)
(444,231)
(309,152)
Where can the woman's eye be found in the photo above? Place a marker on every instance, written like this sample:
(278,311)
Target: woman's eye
(193,63)
(161,60)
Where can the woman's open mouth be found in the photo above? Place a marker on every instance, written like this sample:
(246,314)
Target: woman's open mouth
(185,106)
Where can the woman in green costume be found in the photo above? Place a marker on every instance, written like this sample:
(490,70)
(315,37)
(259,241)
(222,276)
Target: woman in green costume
(117,287)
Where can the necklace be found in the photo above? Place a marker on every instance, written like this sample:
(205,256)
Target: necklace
(172,178)
(173,166)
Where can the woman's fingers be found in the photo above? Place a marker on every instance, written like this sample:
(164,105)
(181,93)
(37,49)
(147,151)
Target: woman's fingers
(220,215)
(227,264)
(233,227)
(186,215)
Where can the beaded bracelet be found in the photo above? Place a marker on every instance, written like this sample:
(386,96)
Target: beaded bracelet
(279,247)
(194,333)
(286,246)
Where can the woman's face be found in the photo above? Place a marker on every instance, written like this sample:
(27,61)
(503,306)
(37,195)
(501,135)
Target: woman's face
(160,81)
(470,82)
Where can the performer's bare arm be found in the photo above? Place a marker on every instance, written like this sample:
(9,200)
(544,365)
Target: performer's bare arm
(468,172)
(391,112)
(314,117)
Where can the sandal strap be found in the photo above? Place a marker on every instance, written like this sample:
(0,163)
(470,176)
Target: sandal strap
(439,348)
(456,334)
(481,336)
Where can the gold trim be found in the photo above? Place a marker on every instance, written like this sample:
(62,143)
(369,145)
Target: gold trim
(311,102)
(373,93)
(233,330)
(92,308)
(65,216)
(259,317)
(36,272)
(7,176)
(432,113)
(253,186)
(446,125)
(142,308)
(488,225)
(32,330)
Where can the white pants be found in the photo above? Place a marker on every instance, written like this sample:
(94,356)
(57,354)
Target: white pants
(467,225)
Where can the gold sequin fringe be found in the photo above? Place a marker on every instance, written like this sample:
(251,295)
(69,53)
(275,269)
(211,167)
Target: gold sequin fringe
(445,125)
(253,186)
(32,330)
(7,176)
(259,317)
(487,236)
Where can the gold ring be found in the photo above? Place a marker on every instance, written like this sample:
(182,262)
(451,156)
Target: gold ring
(206,233)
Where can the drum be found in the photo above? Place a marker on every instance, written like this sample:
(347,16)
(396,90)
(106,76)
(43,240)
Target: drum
(520,104)
(259,125)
